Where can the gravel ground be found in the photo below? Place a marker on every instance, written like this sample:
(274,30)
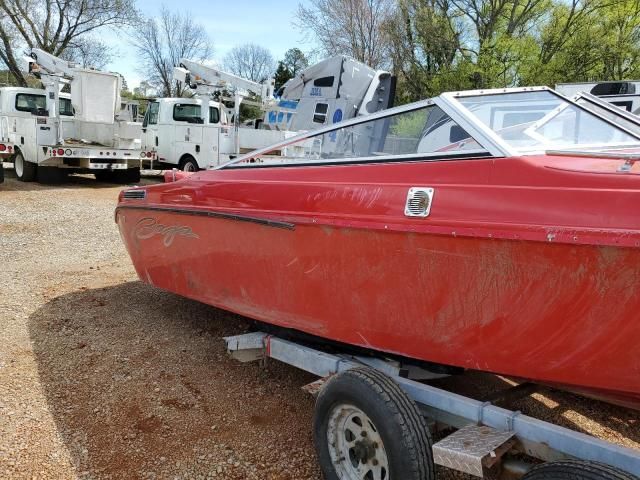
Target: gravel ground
(104,377)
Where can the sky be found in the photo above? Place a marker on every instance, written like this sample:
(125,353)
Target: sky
(229,23)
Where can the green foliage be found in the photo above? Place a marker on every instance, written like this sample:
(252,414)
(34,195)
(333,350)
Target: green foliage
(282,75)
(249,112)
(409,125)
(294,61)
(445,45)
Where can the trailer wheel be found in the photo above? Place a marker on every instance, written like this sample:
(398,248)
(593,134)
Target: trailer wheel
(189,164)
(25,171)
(1,172)
(51,175)
(367,428)
(576,470)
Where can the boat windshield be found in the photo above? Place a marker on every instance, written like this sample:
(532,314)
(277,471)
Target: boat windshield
(611,112)
(541,120)
(422,132)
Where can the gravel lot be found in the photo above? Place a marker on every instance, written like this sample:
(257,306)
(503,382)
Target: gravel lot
(104,377)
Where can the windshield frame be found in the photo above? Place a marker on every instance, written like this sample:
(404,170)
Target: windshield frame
(453,99)
(598,102)
(477,132)
(449,102)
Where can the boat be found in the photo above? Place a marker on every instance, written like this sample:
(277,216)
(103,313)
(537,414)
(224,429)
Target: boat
(493,230)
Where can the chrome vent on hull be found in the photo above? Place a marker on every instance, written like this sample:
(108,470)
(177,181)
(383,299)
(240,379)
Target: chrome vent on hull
(135,194)
(419,201)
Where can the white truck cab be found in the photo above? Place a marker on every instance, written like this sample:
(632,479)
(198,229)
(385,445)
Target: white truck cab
(22,118)
(182,136)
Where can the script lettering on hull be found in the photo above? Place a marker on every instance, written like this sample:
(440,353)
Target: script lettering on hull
(149,227)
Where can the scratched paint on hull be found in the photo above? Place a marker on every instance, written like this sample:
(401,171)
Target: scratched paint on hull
(553,313)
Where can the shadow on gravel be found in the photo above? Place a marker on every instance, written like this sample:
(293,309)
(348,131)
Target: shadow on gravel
(140,386)
(70,181)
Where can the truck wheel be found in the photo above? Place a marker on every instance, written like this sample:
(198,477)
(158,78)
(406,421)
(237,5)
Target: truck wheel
(25,171)
(189,164)
(1,173)
(366,428)
(576,470)
(51,175)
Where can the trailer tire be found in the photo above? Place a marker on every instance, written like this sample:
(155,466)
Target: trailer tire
(25,171)
(189,164)
(576,470)
(365,418)
(51,175)
(1,173)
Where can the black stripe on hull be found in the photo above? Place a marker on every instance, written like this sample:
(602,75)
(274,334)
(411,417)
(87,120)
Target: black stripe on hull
(202,213)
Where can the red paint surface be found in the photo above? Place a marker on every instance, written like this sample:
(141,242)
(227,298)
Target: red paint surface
(175,175)
(528,267)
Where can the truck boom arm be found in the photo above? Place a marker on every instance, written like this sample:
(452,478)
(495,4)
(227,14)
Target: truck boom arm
(196,75)
(44,63)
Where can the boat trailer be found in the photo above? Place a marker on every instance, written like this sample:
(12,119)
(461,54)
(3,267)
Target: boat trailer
(489,441)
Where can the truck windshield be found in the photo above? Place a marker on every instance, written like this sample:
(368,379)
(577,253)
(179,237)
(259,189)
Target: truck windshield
(542,120)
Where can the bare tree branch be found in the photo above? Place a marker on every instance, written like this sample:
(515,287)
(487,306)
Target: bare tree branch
(162,42)
(250,61)
(349,27)
(56,25)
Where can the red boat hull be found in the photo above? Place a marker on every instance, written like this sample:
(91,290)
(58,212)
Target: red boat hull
(504,298)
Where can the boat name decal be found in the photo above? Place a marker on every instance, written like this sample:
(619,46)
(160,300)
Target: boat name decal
(149,227)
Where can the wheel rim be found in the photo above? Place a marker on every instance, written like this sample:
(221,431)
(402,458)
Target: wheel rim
(189,167)
(18,165)
(355,445)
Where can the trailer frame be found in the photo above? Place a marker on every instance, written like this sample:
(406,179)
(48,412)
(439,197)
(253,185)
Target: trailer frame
(536,438)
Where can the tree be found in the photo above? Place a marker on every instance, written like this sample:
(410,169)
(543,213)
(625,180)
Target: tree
(162,42)
(89,52)
(55,26)
(499,36)
(427,50)
(294,61)
(349,27)
(144,90)
(250,61)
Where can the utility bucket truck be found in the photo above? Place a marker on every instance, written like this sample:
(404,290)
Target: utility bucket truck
(55,133)
(185,135)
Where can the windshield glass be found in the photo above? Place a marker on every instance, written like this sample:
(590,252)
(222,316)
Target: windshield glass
(611,114)
(425,132)
(543,120)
